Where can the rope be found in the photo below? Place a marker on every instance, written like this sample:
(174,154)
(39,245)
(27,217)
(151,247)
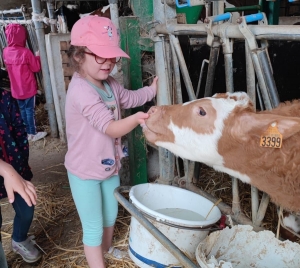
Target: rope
(41,18)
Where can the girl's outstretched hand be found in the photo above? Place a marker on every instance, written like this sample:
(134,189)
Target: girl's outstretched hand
(154,83)
(140,117)
(13,182)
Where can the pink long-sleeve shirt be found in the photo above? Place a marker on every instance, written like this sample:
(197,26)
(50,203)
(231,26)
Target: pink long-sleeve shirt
(87,118)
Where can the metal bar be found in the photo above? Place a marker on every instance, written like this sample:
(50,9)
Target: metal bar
(161,14)
(23,22)
(236,204)
(250,75)
(269,32)
(50,7)
(11,11)
(183,67)
(213,60)
(192,166)
(261,103)
(197,41)
(254,203)
(200,78)
(242,8)
(114,13)
(228,72)
(218,8)
(39,28)
(261,82)
(262,209)
(268,78)
(176,75)
(173,249)
(250,81)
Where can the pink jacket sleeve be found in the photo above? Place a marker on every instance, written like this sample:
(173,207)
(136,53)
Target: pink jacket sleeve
(34,62)
(131,98)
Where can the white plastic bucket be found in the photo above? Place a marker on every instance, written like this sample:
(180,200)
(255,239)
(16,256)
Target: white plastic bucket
(179,214)
(240,247)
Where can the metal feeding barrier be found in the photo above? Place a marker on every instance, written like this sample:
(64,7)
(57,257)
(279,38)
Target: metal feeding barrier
(218,31)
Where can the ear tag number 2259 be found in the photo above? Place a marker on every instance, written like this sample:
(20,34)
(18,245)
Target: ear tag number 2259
(271,138)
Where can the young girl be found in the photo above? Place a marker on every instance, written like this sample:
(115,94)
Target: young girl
(14,150)
(21,65)
(94,129)
(14,183)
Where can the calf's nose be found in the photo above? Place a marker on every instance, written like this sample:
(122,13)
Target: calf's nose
(152,110)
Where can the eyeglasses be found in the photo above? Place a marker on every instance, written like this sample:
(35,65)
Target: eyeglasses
(100,60)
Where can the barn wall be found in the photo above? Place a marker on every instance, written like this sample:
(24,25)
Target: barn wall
(60,75)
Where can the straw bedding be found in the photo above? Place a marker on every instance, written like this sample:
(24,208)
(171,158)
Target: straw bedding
(58,231)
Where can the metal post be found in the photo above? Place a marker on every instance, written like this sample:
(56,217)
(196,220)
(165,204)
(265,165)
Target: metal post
(176,71)
(250,75)
(162,13)
(250,80)
(50,7)
(213,60)
(184,70)
(114,13)
(36,8)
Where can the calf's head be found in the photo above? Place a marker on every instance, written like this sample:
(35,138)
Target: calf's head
(192,130)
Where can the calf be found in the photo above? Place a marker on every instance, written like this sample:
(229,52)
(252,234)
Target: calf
(225,132)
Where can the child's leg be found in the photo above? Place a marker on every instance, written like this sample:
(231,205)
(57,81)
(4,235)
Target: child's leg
(21,243)
(3,262)
(94,256)
(22,220)
(30,113)
(88,201)
(22,106)
(110,209)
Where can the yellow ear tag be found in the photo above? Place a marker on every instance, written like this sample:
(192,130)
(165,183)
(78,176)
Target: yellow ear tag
(271,138)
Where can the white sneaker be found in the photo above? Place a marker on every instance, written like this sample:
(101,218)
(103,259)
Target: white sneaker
(27,249)
(29,137)
(38,136)
(116,253)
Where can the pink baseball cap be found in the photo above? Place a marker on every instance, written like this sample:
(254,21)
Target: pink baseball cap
(99,35)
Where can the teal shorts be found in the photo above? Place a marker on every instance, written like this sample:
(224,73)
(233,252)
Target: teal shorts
(96,205)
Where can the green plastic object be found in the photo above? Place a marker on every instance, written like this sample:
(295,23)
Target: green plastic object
(132,72)
(191,14)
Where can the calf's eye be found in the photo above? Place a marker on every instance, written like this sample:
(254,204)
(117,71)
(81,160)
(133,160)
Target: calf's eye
(202,111)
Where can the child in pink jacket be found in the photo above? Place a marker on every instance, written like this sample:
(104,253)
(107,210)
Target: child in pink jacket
(21,65)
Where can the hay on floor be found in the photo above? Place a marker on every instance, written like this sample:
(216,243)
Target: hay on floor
(57,229)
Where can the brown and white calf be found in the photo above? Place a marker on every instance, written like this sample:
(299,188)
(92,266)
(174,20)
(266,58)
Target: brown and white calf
(225,132)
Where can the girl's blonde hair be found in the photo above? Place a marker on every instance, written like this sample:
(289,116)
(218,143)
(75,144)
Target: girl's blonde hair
(78,52)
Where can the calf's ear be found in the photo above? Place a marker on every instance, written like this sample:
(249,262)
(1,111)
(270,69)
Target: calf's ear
(287,126)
